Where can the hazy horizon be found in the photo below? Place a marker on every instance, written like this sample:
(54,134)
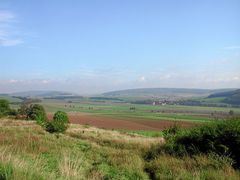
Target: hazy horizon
(99,46)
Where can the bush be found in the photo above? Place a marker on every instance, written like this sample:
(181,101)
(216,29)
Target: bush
(4,107)
(222,138)
(12,112)
(37,112)
(173,131)
(24,110)
(59,124)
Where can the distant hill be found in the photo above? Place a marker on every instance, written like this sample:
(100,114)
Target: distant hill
(3,94)
(42,94)
(230,97)
(179,92)
(10,98)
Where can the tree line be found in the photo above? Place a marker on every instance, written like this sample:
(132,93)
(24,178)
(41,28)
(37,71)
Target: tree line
(36,112)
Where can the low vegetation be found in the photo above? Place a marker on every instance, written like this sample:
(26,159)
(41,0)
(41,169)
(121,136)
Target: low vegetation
(29,152)
(5,109)
(230,97)
(59,124)
(36,112)
(143,133)
(219,141)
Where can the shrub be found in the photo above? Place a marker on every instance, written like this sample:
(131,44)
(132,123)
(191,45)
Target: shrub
(12,112)
(231,113)
(24,110)
(59,124)
(4,107)
(222,138)
(173,131)
(37,112)
(50,127)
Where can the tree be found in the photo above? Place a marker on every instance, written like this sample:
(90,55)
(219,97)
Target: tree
(4,107)
(37,112)
(231,113)
(24,110)
(59,124)
(13,112)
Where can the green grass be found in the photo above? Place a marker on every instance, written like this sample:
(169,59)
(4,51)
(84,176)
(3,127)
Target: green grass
(143,133)
(105,107)
(34,154)
(143,112)
(214,100)
(198,167)
(221,137)
(11,99)
(159,116)
(28,152)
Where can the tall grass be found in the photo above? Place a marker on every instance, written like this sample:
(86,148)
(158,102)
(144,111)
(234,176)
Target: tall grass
(28,152)
(197,167)
(206,152)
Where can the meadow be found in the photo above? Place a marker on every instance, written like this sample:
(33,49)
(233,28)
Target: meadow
(83,152)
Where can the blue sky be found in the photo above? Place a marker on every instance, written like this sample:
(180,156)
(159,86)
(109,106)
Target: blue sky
(96,46)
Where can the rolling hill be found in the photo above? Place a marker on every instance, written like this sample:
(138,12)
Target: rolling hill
(42,94)
(178,92)
(229,97)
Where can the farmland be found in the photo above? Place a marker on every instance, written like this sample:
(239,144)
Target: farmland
(112,139)
(112,115)
(115,113)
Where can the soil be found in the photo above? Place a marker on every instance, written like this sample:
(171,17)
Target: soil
(119,123)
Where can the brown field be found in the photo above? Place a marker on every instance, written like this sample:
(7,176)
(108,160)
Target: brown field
(119,123)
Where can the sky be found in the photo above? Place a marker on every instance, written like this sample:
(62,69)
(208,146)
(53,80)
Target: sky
(93,46)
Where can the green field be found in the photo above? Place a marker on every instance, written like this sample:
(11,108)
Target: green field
(143,133)
(11,99)
(141,112)
(122,110)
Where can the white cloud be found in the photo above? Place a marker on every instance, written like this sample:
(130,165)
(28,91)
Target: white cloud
(97,81)
(12,81)
(142,78)
(45,81)
(10,42)
(25,81)
(236,78)
(7,35)
(6,16)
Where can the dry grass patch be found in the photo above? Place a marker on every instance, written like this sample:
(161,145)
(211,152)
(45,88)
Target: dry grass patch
(102,137)
(197,167)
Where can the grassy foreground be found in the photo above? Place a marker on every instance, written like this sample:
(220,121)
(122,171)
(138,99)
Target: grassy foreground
(28,152)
